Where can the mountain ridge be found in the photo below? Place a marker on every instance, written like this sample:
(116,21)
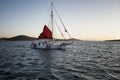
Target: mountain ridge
(18,38)
(26,38)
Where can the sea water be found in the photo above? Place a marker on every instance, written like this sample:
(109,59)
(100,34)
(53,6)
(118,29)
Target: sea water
(82,60)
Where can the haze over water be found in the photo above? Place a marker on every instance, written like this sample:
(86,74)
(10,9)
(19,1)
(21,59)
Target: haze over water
(80,61)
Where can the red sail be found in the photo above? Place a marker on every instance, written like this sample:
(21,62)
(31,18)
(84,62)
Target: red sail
(46,34)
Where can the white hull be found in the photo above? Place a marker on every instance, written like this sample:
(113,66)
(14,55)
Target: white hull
(49,46)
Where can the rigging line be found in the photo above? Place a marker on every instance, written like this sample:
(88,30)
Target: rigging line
(52,20)
(61,21)
(59,29)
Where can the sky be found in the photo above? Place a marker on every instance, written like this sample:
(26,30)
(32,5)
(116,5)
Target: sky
(84,19)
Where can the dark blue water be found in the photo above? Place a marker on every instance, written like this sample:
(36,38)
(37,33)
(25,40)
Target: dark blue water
(80,61)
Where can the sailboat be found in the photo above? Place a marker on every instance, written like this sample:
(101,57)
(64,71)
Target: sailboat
(47,40)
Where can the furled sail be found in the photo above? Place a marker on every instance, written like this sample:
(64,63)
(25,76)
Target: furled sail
(46,34)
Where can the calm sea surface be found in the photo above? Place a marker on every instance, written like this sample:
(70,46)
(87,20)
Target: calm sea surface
(81,60)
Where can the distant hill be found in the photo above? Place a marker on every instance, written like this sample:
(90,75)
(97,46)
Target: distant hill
(113,40)
(1,39)
(24,37)
(71,39)
(19,38)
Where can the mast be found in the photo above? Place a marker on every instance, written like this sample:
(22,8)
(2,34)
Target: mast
(52,20)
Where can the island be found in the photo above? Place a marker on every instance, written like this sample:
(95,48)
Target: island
(18,38)
(113,40)
(27,38)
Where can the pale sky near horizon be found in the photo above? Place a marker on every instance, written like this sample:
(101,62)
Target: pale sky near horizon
(84,19)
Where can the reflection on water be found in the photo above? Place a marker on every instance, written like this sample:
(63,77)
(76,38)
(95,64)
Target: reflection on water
(80,61)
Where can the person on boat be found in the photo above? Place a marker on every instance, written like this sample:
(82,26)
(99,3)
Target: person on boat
(34,45)
(42,43)
(39,43)
(47,44)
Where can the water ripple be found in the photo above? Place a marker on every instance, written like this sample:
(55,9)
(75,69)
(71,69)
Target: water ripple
(81,60)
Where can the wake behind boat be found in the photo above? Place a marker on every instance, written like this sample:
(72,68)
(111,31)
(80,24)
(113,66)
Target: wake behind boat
(46,38)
